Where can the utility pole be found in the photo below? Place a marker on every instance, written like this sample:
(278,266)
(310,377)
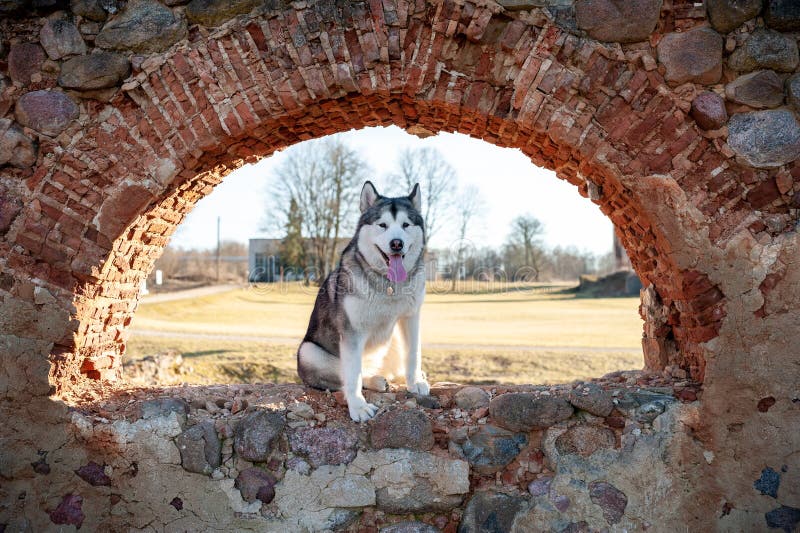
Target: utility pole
(218,248)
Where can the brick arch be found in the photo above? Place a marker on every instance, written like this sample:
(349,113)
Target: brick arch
(600,115)
(217,103)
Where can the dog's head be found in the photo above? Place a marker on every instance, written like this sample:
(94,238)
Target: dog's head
(391,234)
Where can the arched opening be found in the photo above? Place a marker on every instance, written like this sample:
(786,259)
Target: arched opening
(515,314)
(163,163)
(100,340)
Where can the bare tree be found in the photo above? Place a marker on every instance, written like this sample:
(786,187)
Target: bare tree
(525,233)
(569,263)
(292,251)
(321,180)
(198,264)
(468,205)
(435,176)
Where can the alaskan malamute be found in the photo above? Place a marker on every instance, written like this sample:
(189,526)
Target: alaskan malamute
(364,329)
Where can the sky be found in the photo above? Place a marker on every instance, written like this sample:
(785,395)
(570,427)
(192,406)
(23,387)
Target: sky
(510,184)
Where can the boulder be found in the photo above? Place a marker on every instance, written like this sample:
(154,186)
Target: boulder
(622,21)
(427,401)
(727,15)
(95,71)
(408,481)
(255,484)
(348,492)
(793,92)
(17,150)
(160,407)
(89,9)
(783,517)
(48,112)
(765,49)
(708,110)
(93,474)
(765,139)
(69,511)
(541,486)
(200,448)
(783,15)
(519,411)
(585,440)
(212,13)
(768,483)
(692,56)
(591,398)
(61,38)
(491,448)
(422,497)
(256,433)
(610,499)
(25,60)
(470,398)
(325,446)
(402,428)
(142,26)
(648,412)
(760,89)
(490,512)
(42,296)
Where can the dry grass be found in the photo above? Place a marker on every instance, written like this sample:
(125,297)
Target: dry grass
(528,334)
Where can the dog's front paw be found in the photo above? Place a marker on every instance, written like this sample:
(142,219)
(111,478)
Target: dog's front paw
(420,386)
(360,410)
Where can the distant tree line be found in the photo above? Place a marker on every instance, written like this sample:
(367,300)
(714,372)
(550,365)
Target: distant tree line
(200,266)
(508,264)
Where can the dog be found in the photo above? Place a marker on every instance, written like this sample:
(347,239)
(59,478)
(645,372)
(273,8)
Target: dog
(364,329)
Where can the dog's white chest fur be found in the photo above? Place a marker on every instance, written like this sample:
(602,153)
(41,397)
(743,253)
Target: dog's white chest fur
(375,318)
(375,314)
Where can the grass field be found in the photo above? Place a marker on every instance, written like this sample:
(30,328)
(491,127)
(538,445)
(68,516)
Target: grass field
(511,334)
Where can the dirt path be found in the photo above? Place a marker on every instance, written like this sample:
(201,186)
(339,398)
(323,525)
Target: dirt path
(188,293)
(431,346)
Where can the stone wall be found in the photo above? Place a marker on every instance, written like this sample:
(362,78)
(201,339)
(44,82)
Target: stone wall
(678,119)
(601,456)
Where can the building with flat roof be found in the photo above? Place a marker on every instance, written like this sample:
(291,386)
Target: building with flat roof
(263,261)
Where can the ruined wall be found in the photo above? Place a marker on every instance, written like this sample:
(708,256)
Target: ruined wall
(679,120)
(593,457)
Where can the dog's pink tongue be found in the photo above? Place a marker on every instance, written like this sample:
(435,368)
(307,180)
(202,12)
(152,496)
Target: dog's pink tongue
(397,272)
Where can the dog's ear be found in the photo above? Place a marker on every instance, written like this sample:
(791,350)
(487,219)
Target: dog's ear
(369,195)
(416,197)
